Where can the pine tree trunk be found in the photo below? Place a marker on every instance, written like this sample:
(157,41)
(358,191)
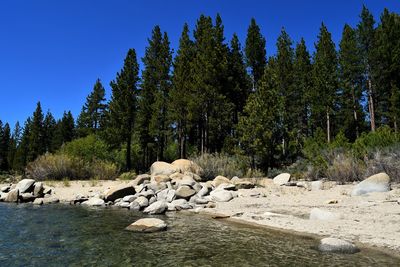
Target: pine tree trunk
(371,108)
(128,151)
(328,125)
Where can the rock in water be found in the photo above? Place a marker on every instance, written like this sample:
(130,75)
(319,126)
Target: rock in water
(185,165)
(376,183)
(281,179)
(157,207)
(331,244)
(221,195)
(94,202)
(162,168)
(318,214)
(147,225)
(25,185)
(12,196)
(119,191)
(38,201)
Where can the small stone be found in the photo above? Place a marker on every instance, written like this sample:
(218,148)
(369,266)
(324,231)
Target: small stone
(129,198)
(281,179)
(142,201)
(316,185)
(221,195)
(331,201)
(38,201)
(211,205)
(184,192)
(336,245)
(134,206)
(123,204)
(147,225)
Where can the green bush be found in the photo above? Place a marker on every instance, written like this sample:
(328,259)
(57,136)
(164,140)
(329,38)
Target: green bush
(60,167)
(88,148)
(368,143)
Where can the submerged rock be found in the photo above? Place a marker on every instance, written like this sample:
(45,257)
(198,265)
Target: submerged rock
(94,202)
(147,225)
(331,244)
(281,179)
(376,183)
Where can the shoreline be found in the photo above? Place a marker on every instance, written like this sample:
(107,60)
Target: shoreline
(371,221)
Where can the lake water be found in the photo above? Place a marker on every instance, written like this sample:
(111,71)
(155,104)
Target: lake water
(63,235)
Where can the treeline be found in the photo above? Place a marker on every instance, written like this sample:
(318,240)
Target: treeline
(215,96)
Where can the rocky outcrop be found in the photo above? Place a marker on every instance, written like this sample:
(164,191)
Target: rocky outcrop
(185,165)
(119,192)
(147,225)
(376,183)
(281,179)
(336,245)
(162,168)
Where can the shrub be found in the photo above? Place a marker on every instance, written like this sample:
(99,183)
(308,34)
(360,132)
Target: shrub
(386,160)
(222,164)
(89,148)
(345,168)
(60,166)
(368,143)
(127,176)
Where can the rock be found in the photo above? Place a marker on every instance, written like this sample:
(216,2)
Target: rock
(211,205)
(94,202)
(119,191)
(160,179)
(331,244)
(181,204)
(129,198)
(38,189)
(376,183)
(142,201)
(198,200)
(176,176)
(319,214)
(221,195)
(157,207)
(197,187)
(27,197)
(220,180)
(166,195)
(140,179)
(244,185)
(184,192)
(38,201)
(331,201)
(281,179)
(47,191)
(50,200)
(185,165)
(149,193)
(152,200)
(203,191)
(5,189)
(235,180)
(123,204)
(196,177)
(225,186)
(12,196)
(156,186)
(25,185)
(316,185)
(147,225)
(163,168)
(303,184)
(187,180)
(134,206)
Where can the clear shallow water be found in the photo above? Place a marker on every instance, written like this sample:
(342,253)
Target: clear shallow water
(62,235)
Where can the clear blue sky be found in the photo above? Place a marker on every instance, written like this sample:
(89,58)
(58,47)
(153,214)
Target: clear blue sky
(53,51)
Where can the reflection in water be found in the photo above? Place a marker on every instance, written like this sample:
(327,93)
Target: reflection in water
(61,235)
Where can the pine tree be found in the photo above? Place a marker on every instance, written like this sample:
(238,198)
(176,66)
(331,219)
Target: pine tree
(49,128)
(5,142)
(255,52)
(64,131)
(122,106)
(14,144)
(93,111)
(36,136)
(325,81)
(366,41)
(259,126)
(302,69)
(351,79)
(21,155)
(180,94)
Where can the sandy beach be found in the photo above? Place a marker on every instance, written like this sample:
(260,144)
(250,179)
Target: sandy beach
(371,220)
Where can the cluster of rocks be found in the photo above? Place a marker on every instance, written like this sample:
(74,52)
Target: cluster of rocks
(169,187)
(27,190)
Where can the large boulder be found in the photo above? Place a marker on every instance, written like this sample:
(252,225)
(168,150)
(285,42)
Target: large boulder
(142,201)
(140,179)
(157,207)
(185,192)
(166,195)
(221,195)
(27,197)
(376,183)
(119,191)
(324,215)
(147,225)
(38,189)
(181,204)
(162,168)
(94,202)
(281,179)
(331,244)
(220,180)
(161,178)
(185,165)
(25,185)
(12,196)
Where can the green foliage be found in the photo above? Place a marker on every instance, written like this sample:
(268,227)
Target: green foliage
(89,148)
(368,142)
(127,176)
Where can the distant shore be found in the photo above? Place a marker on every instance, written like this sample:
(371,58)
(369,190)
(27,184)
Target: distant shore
(371,220)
